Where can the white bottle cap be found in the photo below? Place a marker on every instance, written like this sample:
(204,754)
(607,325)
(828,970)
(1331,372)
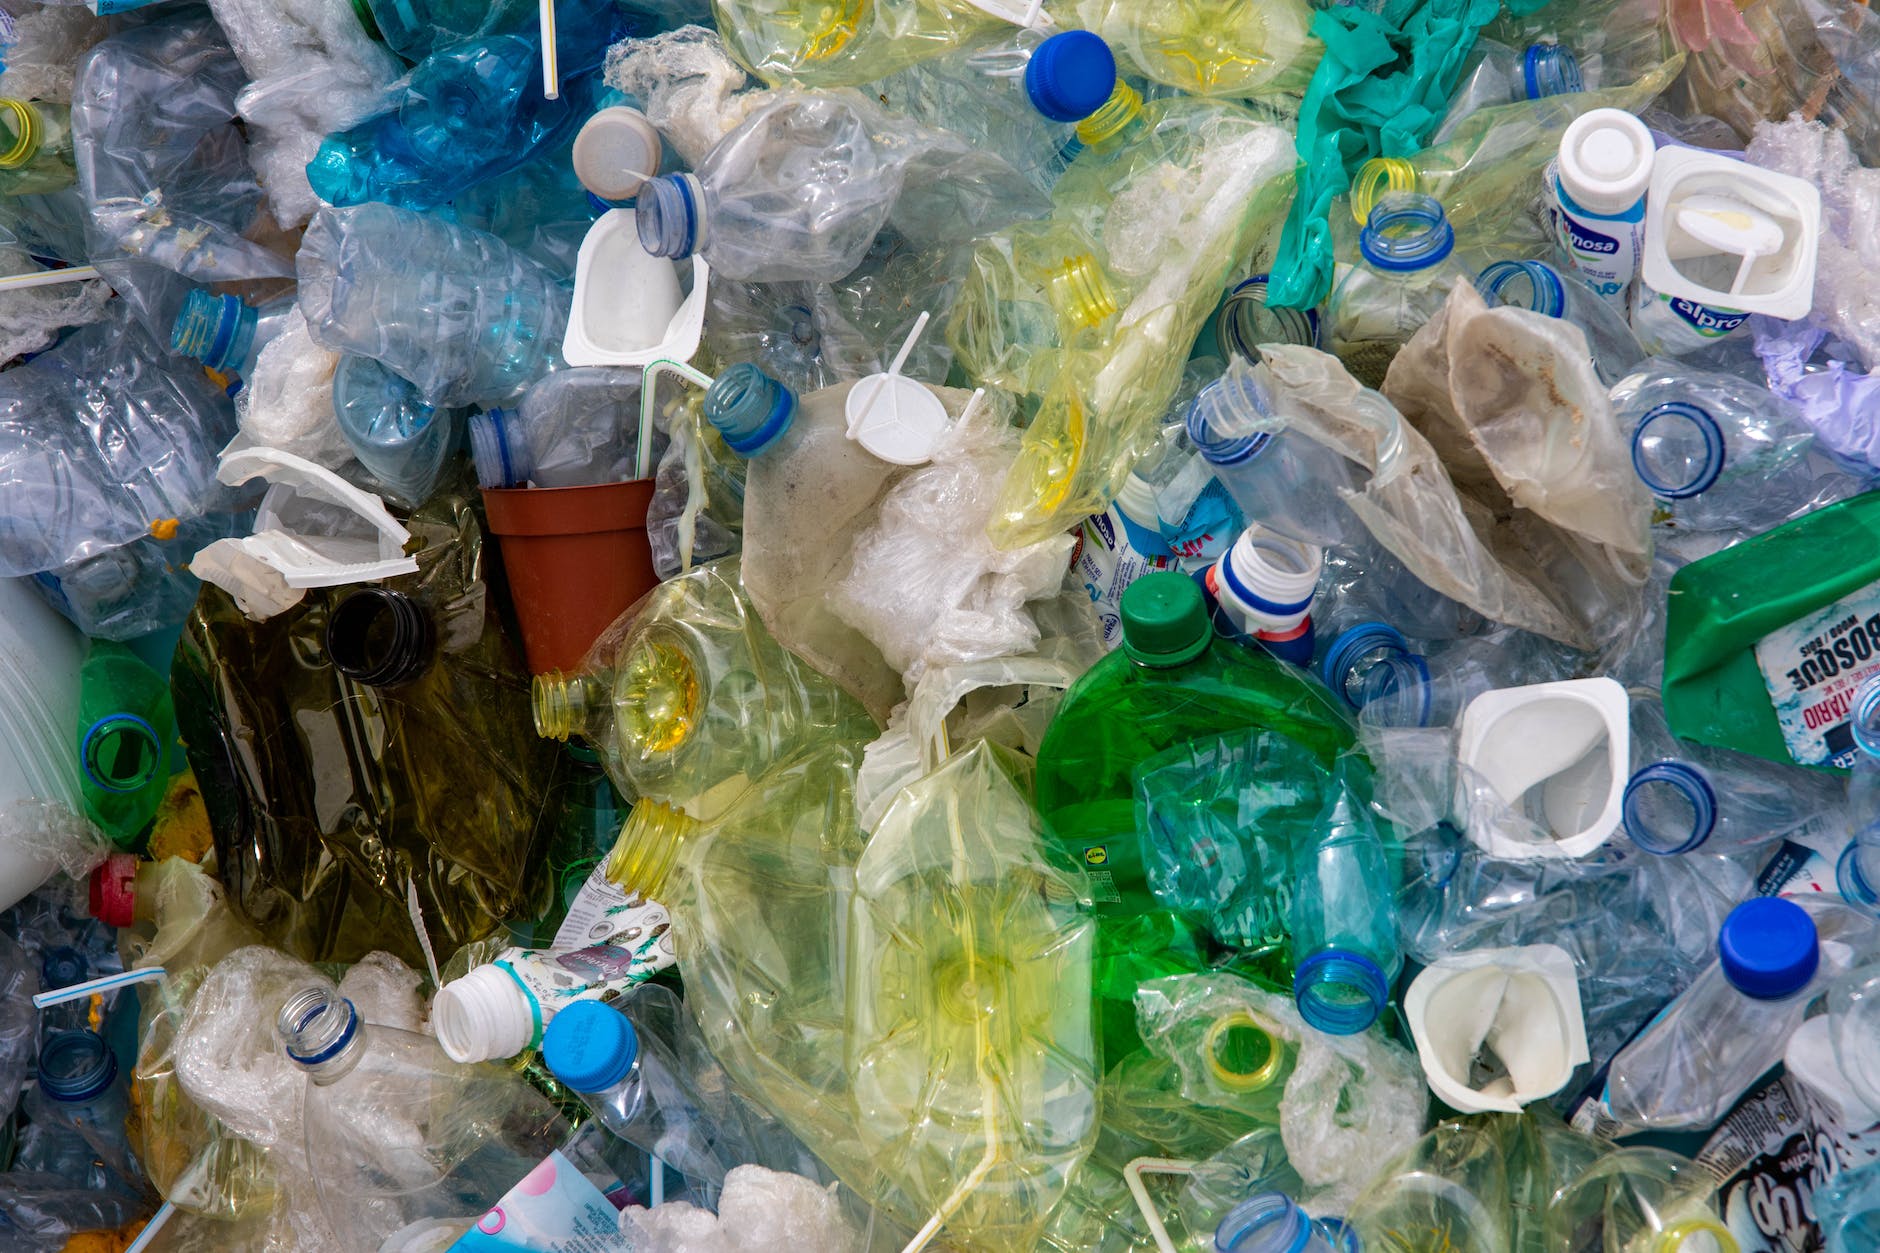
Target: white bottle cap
(1266,581)
(615,152)
(1606,161)
(483,1016)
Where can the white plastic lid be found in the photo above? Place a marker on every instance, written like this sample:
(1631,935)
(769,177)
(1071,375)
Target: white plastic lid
(1523,1004)
(1572,741)
(1606,160)
(483,1016)
(896,418)
(616,151)
(628,308)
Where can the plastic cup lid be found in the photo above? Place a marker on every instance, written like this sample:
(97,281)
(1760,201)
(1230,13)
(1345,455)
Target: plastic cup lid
(615,152)
(896,418)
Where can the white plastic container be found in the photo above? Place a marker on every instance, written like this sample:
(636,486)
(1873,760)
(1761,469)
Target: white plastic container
(40,654)
(1558,753)
(1520,1004)
(1596,190)
(628,306)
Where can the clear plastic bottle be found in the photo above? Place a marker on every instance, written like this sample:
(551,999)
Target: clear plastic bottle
(1857,874)
(1281,479)
(126,730)
(635,1086)
(853,41)
(1393,685)
(397,1133)
(403,441)
(1697,1057)
(1246,321)
(227,333)
(1683,796)
(1018,94)
(1637,1199)
(83,1088)
(689,697)
(1540,287)
(1405,275)
(464,317)
(572,428)
(1344,923)
(1719,452)
(798,191)
(1496,74)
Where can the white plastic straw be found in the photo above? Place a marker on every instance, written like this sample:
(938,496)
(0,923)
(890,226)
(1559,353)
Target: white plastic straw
(551,68)
(45,278)
(79,991)
(1132,1175)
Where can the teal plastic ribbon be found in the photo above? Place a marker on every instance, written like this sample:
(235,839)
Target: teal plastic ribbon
(1382,86)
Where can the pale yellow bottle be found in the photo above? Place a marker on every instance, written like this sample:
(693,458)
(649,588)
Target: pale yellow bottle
(1235,49)
(686,696)
(844,43)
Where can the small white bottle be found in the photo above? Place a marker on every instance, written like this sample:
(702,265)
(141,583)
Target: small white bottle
(1596,198)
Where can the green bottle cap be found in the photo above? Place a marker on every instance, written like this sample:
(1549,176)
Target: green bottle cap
(1165,620)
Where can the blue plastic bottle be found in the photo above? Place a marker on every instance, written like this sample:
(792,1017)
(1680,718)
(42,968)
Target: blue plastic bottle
(226,333)
(80,1079)
(464,317)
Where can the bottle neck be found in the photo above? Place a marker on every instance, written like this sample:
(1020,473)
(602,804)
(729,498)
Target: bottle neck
(1228,422)
(1377,178)
(1115,119)
(120,752)
(1340,992)
(1669,807)
(1407,232)
(323,1034)
(1532,285)
(215,330)
(76,1066)
(1246,321)
(1080,291)
(380,637)
(1678,450)
(1268,1222)
(566,705)
(22,131)
(1396,691)
(1355,653)
(749,408)
(671,216)
(1242,1053)
(1550,70)
(649,848)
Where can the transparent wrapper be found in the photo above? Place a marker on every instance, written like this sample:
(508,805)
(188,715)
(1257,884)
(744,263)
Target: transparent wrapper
(161,161)
(687,85)
(759,1209)
(1521,571)
(288,404)
(784,42)
(32,317)
(49,39)
(925,582)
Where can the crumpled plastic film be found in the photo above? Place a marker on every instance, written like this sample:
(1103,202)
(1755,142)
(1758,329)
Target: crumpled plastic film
(760,1210)
(161,161)
(1514,394)
(687,85)
(1846,304)
(926,584)
(1518,570)
(19,1020)
(1348,1101)
(288,403)
(1221,48)
(51,832)
(32,317)
(313,70)
(1840,403)
(1175,208)
(49,40)
(385,992)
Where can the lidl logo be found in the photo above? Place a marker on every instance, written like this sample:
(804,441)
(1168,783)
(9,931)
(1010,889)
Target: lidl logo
(1096,855)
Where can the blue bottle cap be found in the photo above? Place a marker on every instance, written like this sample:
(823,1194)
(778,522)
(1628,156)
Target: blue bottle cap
(1353,644)
(1070,75)
(1768,948)
(590,1046)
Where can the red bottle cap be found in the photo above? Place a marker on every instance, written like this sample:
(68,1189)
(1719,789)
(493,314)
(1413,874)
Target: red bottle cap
(113,890)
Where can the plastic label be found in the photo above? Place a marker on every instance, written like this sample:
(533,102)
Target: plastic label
(1107,563)
(601,910)
(1812,668)
(1604,250)
(556,1209)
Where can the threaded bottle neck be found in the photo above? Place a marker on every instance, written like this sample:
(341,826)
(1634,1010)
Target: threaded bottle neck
(380,637)
(1112,118)
(648,850)
(1532,285)
(1406,231)
(1377,178)
(566,705)
(21,132)
(1081,292)
(670,216)
(322,1033)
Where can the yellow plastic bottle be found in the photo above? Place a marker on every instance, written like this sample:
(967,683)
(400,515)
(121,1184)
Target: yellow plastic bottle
(686,696)
(844,43)
(1233,49)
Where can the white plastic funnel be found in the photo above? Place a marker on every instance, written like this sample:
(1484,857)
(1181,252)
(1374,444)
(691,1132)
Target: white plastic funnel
(1518,1008)
(628,307)
(1570,743)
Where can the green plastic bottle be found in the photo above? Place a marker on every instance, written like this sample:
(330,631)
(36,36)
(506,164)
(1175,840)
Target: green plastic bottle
(126,727)
(1172,681)
(588,814)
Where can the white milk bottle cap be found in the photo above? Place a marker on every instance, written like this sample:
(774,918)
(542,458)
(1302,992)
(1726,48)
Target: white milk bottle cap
(1606,159)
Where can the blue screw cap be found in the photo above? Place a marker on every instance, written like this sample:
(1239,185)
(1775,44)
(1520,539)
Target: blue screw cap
(1070,75)
(590,1046)
(1768,948)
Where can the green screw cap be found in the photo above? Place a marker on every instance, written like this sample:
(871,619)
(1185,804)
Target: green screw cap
(1165,620)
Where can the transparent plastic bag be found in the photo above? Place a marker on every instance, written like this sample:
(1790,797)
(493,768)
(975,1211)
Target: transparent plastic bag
(32,317)
(1521,571)
(48,41)
(161,161)
(19,1021)
(288,404)
(688,86)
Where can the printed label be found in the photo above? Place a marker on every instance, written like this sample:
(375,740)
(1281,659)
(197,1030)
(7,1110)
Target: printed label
(1602,250)
(556,1209)
(1107,564)
(1812,668)
(600,911)
(1676,325)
